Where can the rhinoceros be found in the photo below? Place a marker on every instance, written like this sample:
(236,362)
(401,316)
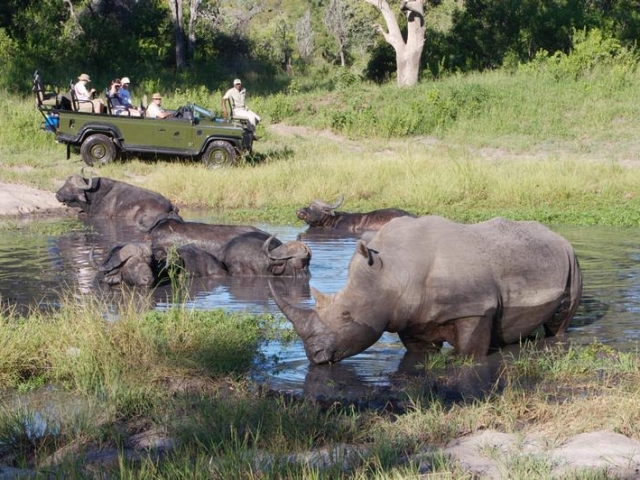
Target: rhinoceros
(106,198)
(477,287)
(322,215)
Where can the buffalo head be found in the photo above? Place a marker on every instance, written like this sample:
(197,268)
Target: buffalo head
(287,259)
(318,212)
(131,263)
(73,192)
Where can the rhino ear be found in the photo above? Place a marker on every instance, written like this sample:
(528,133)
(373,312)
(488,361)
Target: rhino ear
(320,298)
(373,259)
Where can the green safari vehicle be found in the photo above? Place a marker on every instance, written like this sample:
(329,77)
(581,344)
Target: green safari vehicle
(192,131)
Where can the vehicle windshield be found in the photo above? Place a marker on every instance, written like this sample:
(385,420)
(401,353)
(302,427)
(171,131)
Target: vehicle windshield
(202,112)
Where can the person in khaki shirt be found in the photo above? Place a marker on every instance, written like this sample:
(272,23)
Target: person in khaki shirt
(155,110)
(236,96)
(87,103)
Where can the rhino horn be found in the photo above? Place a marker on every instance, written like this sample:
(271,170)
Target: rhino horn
(305,321)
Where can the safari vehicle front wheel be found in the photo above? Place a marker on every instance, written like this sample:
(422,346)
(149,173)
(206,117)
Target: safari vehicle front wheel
(98,149)
(219,154)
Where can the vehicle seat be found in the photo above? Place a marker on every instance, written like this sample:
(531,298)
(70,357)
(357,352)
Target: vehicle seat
(78,105)
(47,96)
(114,106)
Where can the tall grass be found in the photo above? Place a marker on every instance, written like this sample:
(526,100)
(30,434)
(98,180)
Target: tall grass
(77,347)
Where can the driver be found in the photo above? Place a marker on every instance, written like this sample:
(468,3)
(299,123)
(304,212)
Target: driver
(155,110)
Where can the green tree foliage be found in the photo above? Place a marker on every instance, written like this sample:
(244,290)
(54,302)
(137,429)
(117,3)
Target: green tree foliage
(489,33)
(274,44)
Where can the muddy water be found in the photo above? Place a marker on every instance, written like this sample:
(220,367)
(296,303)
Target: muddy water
(35,269)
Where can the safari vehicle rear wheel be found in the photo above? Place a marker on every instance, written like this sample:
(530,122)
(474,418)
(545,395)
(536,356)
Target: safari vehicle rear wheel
(219,154)
(98,149)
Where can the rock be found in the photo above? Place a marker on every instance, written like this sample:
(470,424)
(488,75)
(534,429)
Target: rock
(488,454)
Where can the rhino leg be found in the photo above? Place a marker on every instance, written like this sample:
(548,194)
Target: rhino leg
(415,343)
(471,336)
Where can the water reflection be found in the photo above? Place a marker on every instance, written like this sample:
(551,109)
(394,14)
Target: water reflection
(34,269)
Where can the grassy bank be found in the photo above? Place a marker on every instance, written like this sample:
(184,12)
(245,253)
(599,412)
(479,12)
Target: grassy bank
(179,378)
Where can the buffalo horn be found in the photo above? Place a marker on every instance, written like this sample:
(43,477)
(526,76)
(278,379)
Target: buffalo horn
(327,207)
(92,260)
(117,257)
(289,250)
(80,182)
(265,246)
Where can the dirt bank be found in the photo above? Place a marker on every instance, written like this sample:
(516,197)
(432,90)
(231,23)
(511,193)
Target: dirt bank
(22,200)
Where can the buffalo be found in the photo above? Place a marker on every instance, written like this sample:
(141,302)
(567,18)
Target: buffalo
(106,198)
(478,287)
(131,263)
(258,253)
(171,232)
(321,215)
(248,254)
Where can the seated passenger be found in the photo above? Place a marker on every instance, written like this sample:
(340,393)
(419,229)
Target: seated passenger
(118,105)
(155,110)
(86,102)
(125,94)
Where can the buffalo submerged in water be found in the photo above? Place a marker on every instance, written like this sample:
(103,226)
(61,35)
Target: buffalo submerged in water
(253,253)
(477,287)
(321,215)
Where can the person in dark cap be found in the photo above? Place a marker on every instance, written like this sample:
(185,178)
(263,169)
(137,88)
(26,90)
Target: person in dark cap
(236,96)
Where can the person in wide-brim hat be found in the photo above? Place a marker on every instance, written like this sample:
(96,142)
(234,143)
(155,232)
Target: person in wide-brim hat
(155,110)
(85,96)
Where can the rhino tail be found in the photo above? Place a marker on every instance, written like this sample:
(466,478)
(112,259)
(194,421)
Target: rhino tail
(559,323)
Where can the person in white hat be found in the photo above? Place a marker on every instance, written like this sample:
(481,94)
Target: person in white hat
(85,96)
(155,110)
(236,97)
(125,93)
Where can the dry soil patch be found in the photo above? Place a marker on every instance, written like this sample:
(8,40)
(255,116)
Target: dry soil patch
(20,200)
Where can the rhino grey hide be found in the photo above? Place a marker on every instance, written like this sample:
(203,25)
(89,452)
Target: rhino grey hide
(432,280)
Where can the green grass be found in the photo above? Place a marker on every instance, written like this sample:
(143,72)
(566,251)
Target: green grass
(183,373)
(519,145)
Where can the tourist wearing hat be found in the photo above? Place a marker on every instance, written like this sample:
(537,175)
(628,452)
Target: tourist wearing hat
(155,110)
(84,96)
(125,94)
(118,105)
(236,96)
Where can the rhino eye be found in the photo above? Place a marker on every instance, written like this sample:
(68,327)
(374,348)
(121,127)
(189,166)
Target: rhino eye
(346,313)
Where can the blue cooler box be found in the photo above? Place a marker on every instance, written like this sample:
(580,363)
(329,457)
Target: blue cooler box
(53,121)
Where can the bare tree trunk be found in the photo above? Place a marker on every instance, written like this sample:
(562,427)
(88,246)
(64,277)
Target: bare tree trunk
(176,17)
(408,53)
(194,5)
(334,20)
